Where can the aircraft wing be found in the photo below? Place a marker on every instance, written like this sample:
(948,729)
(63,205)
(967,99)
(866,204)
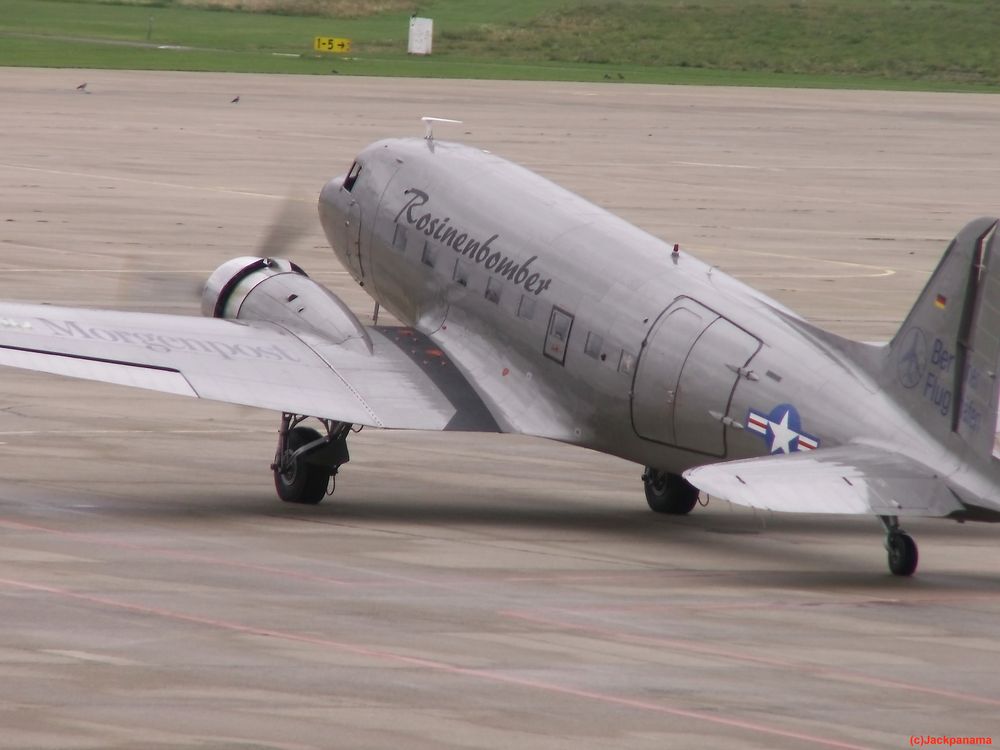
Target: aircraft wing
(403,381)
(852,479)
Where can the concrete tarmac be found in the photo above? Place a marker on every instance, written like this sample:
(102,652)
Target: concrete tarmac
(462,591)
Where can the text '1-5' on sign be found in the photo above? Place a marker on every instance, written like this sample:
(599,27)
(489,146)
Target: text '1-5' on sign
(331,44)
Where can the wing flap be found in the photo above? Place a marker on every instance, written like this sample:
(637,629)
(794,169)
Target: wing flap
(120,373)
(851,479)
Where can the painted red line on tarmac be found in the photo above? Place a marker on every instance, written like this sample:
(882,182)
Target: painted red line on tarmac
(787,664)
(183,556)
(437,666)
(754,604)
(387,578)
(571,578)
(846,601)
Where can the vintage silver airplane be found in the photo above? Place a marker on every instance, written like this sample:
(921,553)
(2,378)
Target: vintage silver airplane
(530,310)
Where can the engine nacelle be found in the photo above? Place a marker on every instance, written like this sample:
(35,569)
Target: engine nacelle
(275,290)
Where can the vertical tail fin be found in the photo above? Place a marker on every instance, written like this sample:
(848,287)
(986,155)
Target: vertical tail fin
(943,362)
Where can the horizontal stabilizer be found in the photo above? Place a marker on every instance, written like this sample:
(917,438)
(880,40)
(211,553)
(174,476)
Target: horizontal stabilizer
(851,479)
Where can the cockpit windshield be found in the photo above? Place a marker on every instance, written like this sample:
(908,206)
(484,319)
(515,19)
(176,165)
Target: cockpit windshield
(352,176)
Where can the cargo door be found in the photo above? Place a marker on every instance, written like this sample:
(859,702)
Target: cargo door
(706,385)
(654,389)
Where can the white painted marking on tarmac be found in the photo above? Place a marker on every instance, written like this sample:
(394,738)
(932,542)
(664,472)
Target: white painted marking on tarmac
(104,270)
(242,431)
(879,271)
(155,183)
(724,166)
(881,169)
(108,270)
(874,272)
(812,275)
(143,271)
(91,657)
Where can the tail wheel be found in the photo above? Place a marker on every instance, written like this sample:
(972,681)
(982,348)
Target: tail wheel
(296,479)
(669,493)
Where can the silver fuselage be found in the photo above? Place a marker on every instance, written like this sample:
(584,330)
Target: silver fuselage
(574,325)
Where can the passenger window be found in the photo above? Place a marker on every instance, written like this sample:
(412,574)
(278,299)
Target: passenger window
(627,363)
(494,288)
(399,239)
(461,273)
(594,345)
(557,337)
(429,254)
(526,307)
(352,176)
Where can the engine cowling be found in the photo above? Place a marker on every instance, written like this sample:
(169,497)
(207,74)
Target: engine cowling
(276,290)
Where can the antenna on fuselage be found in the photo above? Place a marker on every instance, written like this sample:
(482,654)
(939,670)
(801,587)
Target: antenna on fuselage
(429,125)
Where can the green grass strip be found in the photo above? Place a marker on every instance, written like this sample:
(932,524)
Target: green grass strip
(889,44)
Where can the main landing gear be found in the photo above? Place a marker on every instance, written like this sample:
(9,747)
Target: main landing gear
(669,493)
(900,546)
(306,460)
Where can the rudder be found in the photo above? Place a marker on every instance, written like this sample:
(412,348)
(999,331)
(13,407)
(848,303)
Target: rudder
(943,362)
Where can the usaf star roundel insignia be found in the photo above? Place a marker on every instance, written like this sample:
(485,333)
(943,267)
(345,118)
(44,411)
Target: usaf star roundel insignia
(781,429)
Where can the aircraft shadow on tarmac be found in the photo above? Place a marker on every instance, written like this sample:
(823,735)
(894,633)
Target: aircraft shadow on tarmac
(533,512)
(526,512)
(780,550)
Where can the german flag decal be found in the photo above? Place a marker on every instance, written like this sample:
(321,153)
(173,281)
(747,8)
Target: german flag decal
(940,302)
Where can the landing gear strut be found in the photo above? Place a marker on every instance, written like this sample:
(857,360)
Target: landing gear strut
(305,460)
(900,546)
(669,493)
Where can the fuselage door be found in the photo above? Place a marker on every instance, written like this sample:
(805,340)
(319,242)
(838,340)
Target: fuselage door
(708,380)
(654,389)
(687,372)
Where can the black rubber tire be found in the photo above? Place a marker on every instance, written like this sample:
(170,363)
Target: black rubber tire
(902,554)
(669,493)
(305,483)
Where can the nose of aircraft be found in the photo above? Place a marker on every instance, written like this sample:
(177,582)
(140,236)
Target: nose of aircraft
(328,195)
(334,203)
(331,204)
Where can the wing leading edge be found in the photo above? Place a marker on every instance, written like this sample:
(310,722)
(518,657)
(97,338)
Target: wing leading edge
(851,479)
(404,382)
